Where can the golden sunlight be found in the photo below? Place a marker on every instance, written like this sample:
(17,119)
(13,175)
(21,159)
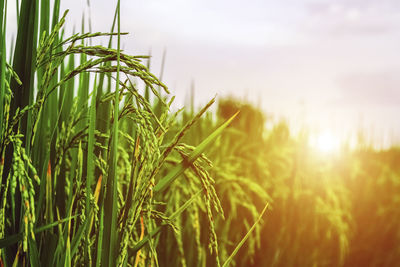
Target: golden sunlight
(325,142)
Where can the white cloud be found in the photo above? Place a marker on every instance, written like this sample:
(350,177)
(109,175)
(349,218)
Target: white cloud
(353,17)
(285,51)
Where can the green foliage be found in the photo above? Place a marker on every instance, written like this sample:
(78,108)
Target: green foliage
(97,171)
(79,189)
(323,210)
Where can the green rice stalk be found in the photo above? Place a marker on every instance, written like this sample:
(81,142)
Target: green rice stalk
(234,252)
(110,207)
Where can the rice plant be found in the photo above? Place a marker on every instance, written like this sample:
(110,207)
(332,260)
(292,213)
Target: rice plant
(81,180)
(96,170)
(327,212)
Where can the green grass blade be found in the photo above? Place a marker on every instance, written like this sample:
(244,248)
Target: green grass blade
(56,13)
(110,205)
(44,17)
(179,211)
(100,237)
(78,237)
(114,151)
(10,240)
(17,8)
(3,19)
(90,162)
(24,57)
(33,253)
(227,262)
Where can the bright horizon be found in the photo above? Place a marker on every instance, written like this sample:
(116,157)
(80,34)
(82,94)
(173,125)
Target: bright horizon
(331,66)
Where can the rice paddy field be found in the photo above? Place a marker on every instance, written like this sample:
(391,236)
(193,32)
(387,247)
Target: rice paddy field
(97,169)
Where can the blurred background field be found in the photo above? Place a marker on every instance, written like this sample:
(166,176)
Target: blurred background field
(101,167)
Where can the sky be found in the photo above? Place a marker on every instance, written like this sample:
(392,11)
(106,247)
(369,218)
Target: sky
(325,65)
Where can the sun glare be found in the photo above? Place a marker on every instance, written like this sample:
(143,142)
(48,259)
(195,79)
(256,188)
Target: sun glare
(326,143)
